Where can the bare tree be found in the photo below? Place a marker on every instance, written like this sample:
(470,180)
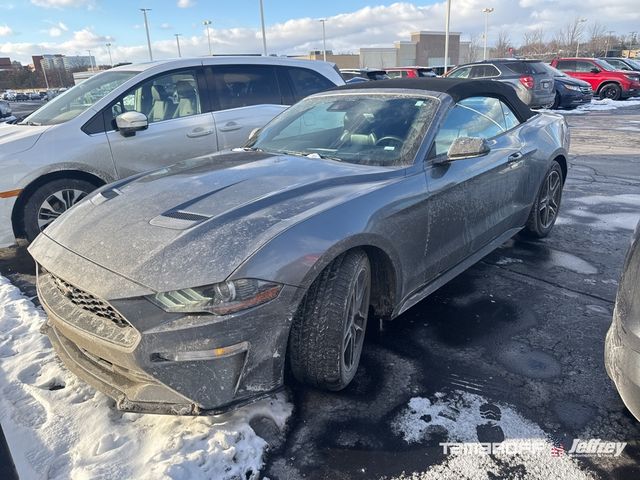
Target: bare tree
(597,44)
(570,34)
(503,44)
(473,53)
(533,44)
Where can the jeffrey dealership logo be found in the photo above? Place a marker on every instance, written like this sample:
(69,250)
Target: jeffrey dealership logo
(593,447)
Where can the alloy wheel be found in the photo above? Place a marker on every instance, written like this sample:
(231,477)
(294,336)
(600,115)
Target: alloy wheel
(355,325)
(549,202)
(56,204)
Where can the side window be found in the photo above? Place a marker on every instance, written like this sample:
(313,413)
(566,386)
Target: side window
(306,82)
(519,67)
(584,67)
(617,63)
(462,72)
(510,119)
(566,65)
(238,86)
(481,117)
(165,97)
(484,71)
(395,74)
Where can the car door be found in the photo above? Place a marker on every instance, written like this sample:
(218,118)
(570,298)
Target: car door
(474,200)
(180,127)
(244,97)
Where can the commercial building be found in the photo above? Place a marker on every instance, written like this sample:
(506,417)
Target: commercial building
(62,62)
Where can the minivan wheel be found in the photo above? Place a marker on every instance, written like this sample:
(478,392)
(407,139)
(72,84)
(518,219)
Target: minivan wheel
(50,201)
(328,330)
(612,91)
(556,102)
(544,212)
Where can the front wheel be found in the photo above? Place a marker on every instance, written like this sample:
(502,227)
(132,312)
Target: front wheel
(328,330)
(50,201)
(547,204)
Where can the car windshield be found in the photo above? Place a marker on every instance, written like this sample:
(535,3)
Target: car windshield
(76,100)
(362,128)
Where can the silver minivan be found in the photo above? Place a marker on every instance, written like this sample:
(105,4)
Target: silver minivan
(135,118)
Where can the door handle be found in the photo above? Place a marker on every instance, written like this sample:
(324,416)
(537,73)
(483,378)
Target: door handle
(199,132)
(230,127)
(514,157)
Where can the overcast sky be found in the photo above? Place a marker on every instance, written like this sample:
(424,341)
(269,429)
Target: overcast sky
(71,27)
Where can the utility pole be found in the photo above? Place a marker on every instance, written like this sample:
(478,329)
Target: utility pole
(206,23)
(486,12)
(606,50)
(177,35)
(324,40)
(264,35)
(582,20)
(446,37)
(146,27)
(109,51)
(91,61)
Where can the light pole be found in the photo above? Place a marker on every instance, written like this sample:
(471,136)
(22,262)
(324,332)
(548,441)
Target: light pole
(324,40)
(206,23)
(582,20)
(177,35)
(606,48)
(446,37)
(90,61)
(109,51)
(486,12)
(264,35)
(146,27)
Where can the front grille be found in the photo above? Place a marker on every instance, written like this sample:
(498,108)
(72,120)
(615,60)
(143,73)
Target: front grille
(89,303)
(586,90)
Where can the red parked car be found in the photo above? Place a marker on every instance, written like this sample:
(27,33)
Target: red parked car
(605,79)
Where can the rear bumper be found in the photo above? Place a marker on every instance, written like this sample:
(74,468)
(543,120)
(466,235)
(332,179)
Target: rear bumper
(539,100)
(622,363)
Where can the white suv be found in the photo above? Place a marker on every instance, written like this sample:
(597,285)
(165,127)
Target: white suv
(135,118)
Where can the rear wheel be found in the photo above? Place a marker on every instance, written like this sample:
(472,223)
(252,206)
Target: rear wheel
(547,204)
(328,330)
(50,201)
(611,90)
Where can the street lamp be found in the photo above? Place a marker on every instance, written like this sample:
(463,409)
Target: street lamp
(109,52)
(177,35)
(206,23)
(446,37)
(486,11)
(582,20)
(90,61)
(324,40)
(264,35)
(146,27)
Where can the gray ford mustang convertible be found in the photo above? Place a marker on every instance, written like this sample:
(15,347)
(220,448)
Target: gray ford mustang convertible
(188,289)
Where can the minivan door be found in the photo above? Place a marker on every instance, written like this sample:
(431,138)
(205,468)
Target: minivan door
(180,127)
(244,97)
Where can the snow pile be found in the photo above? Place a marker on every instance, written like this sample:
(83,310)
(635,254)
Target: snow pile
(57,427)
(598,105)
(464,417)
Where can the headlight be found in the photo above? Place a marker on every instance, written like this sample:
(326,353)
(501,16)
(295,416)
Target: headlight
(633,78)
(220,298)
(572,87)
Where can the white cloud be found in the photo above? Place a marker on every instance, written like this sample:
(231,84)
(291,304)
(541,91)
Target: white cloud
(165,26)
(186,3)
(62,3)
(5,30)
(55,32)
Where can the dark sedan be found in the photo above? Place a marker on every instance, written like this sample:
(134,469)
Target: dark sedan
(188,289)
(570,92)
(622,346)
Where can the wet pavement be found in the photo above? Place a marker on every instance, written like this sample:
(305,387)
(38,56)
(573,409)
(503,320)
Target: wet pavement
(525,327)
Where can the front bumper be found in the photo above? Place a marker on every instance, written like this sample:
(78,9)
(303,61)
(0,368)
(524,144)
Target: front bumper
(622,363)
(131,367)
(7,238)
(574,99)
(632,92)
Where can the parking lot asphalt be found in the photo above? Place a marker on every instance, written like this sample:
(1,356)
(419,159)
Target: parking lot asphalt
(22,109)
(524,327)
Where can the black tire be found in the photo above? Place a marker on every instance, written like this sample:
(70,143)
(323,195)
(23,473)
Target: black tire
(556,102)
(32,212)
(539,225)
(317,343)
(611,90)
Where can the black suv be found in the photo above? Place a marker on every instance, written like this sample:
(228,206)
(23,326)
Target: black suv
(531,80)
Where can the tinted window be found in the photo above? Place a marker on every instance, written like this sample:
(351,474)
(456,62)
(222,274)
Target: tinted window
(537,67)
(238,86)
(307,82)
(481,117)
(566,65)
(519,67)
(483,71)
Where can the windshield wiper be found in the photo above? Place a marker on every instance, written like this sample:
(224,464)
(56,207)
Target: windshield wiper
(322,156)
(31,124)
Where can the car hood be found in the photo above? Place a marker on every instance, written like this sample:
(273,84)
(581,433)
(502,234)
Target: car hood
(572,81)
(194,223)
(18,138)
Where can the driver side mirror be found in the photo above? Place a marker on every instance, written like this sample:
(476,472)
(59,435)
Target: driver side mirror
(129,123)
(467,147)
(595,70)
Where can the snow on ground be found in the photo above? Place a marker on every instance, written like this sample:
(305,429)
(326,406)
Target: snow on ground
(598,105)
(57,427)
(467,417)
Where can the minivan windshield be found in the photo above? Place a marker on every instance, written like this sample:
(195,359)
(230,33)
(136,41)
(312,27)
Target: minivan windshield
(361,128)
(76,100)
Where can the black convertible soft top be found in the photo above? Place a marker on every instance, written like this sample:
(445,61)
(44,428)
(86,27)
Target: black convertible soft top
(457,88)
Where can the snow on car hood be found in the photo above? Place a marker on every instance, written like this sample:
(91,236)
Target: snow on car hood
(18,138)
(194,223)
